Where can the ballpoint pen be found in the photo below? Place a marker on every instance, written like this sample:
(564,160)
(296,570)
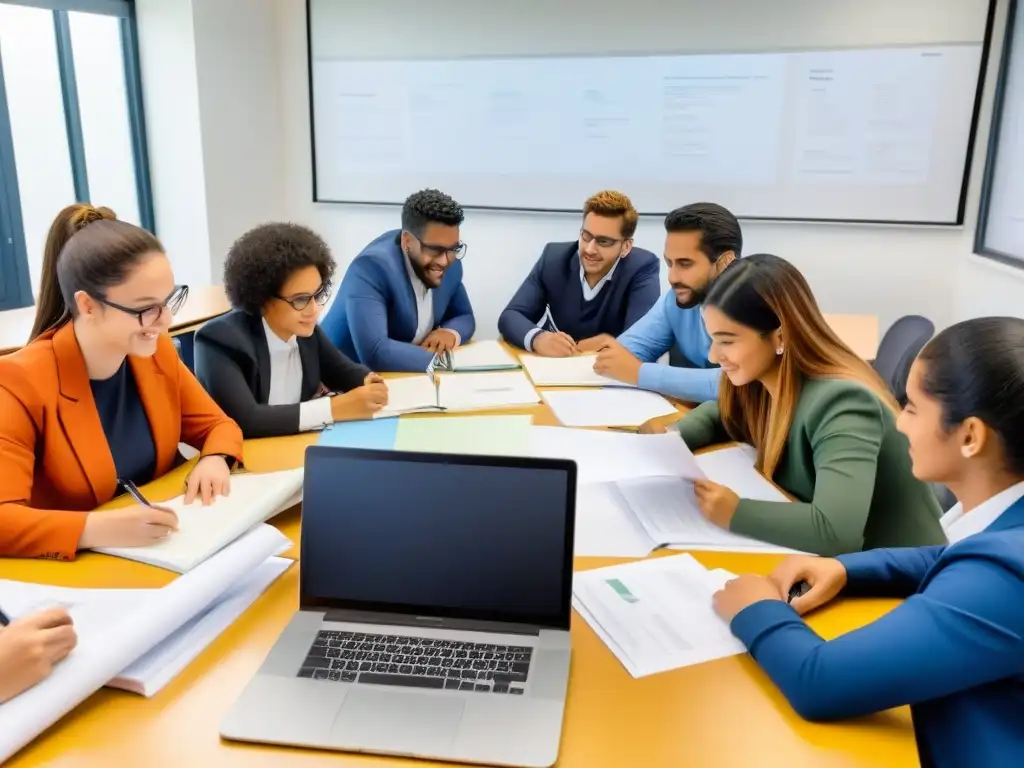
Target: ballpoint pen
(4,619)
(135,493)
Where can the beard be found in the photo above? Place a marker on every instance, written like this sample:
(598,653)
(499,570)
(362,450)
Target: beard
(697,296)
(421,273)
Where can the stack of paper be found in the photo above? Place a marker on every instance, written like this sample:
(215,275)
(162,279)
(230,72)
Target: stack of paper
(202,531)
(576,371)
(458,392)
(631,501)
(116,627)
(483,356)
(607,407)
(656,615)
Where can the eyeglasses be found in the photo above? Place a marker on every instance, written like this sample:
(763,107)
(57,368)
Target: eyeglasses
(300,302)
(151,314)
(454,252)
(602,242)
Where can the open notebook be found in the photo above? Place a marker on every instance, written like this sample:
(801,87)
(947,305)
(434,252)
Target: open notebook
(117,626)
(577,371)
(482,356)
(458,392)
(202,531)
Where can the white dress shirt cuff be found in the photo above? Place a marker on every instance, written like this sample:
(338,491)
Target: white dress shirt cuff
(315,414)
(530,336)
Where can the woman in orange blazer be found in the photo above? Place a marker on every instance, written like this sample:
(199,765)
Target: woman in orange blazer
(100,397)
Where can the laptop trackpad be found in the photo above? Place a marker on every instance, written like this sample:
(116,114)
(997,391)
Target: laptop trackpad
(391,721)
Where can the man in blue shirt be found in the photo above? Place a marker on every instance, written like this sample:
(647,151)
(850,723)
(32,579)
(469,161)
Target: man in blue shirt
(584,288)
(402,300)
(702,239)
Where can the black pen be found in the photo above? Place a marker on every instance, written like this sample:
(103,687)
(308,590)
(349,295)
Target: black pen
(632,430)
(135,493)
(4,619)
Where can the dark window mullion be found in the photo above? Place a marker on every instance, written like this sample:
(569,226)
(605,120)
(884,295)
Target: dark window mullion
(72,112)
(15,284)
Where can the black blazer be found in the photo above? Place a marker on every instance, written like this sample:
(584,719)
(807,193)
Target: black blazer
(232,362)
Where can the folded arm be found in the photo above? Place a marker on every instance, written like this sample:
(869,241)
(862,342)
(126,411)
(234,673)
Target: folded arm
(519,319)
(964,631)
(845,448)
(225,382)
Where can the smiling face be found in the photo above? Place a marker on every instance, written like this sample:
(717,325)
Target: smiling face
(937,454)
(303,286)
(744,354)
(433,252)
(601,244)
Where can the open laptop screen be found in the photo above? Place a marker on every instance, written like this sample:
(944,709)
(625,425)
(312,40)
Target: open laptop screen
(478,537)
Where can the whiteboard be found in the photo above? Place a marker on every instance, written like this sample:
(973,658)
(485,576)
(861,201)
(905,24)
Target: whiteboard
(1001,218)
(871,133)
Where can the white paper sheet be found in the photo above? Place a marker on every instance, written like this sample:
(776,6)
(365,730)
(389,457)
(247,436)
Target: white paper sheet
(113,631)
(409,394)
(149,673)
(459,392)
(608,456)
(606,407)
(203,531)
(576,371)
(483,356)
(655,615)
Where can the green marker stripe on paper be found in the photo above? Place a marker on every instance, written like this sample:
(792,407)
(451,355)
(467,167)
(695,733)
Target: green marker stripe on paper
(622,590)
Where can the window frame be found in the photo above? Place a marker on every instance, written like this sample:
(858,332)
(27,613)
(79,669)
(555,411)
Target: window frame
(994,131)
(16,274)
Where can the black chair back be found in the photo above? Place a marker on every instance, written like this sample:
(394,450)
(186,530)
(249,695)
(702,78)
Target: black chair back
(899,347)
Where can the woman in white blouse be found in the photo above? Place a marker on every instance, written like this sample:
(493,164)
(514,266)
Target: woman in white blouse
(267,363)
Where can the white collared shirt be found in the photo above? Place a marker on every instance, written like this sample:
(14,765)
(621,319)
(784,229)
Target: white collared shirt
(588,295)
(424,296)
(286,382)
(958,524)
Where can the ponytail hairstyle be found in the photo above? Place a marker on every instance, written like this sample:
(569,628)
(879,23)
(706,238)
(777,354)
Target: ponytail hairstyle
(87,249)
(767,293)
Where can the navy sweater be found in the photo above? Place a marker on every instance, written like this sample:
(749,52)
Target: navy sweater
(554,282)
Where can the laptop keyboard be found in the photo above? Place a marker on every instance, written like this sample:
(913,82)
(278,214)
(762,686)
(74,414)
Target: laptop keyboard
(417,662)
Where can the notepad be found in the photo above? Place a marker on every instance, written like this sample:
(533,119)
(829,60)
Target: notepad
(656,615)
(148,674)
(607,407)
(458,392)
(483,356)
(116,627)
(202,531)
(576,371)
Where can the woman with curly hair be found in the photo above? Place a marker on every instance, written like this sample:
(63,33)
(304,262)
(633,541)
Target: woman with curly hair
(267,363)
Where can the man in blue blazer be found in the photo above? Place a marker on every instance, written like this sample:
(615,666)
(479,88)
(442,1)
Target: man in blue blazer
(586,287)
(402,300)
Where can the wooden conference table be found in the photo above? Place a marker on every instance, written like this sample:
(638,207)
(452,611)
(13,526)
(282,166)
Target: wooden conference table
(204,303)
(724,713)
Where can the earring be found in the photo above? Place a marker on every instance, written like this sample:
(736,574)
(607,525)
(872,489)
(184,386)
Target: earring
(967,452)
(778,351)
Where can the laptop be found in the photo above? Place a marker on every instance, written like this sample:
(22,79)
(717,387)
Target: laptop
(434,605)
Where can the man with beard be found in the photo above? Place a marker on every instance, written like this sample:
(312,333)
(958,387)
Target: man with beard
(402,300)
(702,240)
(597,284)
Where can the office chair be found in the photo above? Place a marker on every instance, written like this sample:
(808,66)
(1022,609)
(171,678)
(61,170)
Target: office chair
(899,347)
(177,344)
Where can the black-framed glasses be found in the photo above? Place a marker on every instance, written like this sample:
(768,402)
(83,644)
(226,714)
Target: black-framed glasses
(301,301)
(151,314)
(602,242)
(453,252)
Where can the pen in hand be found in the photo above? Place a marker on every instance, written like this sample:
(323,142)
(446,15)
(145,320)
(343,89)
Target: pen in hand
(4,619)
(130,488)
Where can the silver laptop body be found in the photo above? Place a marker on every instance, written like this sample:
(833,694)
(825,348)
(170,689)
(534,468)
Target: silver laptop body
(433,613)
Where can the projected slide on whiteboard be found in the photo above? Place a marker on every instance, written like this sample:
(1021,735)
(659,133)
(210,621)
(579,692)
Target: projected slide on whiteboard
(877,134)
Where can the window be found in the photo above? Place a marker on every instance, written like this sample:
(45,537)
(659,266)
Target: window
(1000,232)
(73,121)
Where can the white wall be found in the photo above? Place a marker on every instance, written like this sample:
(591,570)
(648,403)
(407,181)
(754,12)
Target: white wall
(888,271)
(210,86)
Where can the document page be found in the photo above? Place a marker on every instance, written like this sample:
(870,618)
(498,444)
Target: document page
(576,371)
(116,627)
(607,407)
(203,531)
(408,395)
(484,391)
(483,356)
(655,615)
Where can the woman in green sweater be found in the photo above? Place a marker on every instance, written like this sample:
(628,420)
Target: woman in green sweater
(821,419)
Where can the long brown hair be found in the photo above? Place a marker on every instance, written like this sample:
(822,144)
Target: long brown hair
(87,249)
(767,293)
